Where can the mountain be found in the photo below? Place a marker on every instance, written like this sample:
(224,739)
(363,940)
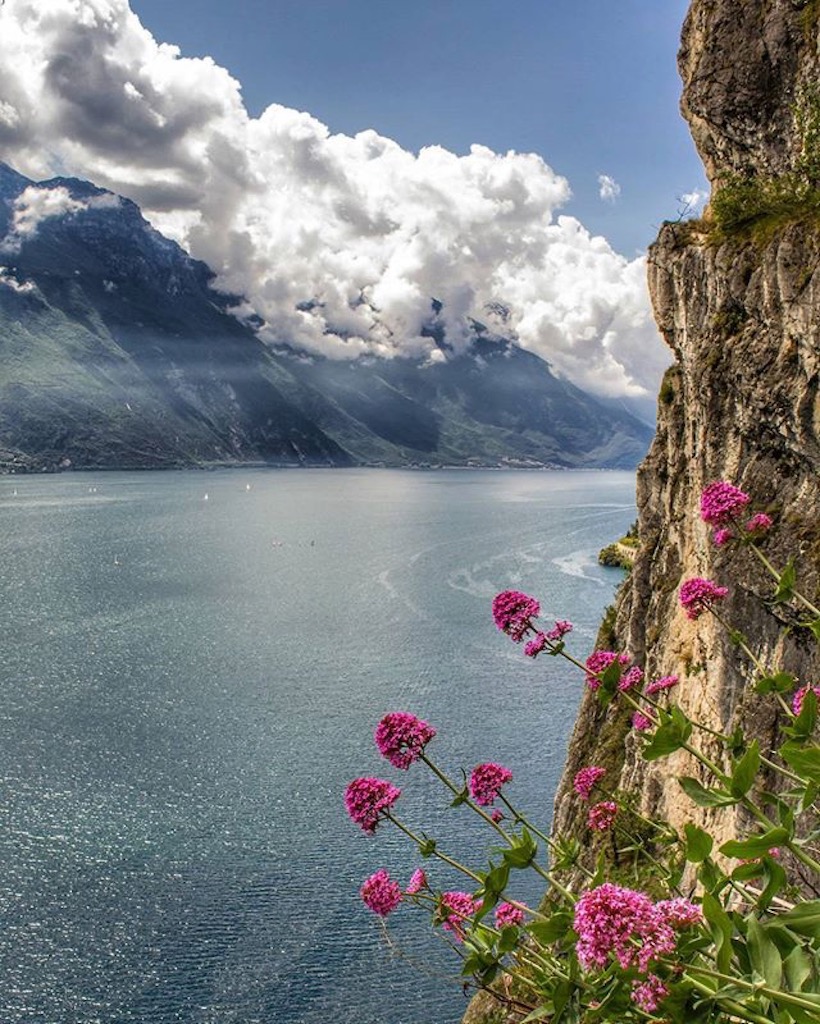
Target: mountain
(116,351)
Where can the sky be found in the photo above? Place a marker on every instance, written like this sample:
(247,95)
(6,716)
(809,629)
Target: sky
(341,162)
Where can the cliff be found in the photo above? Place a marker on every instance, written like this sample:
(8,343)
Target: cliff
(737,298)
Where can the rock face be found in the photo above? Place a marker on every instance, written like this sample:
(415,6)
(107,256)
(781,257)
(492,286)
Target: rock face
(741,313)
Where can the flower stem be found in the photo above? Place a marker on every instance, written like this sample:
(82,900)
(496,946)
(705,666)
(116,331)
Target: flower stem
(436,853)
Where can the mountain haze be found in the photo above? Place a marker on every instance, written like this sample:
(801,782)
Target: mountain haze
(116,351)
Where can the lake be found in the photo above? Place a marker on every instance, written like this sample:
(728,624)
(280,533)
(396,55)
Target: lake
(192,670)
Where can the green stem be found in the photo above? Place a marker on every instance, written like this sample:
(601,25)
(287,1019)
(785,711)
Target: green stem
(737,1009)
(788,998)
(776,575)
(436,852)
(448,782)
(518,816)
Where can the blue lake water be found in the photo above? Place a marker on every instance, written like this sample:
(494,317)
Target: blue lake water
(189,683)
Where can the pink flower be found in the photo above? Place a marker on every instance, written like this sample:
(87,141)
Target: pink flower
(698,595)
(454,909)
(641,722)
(506,914)
(631,678)
(759,524)
(679,912)
(401,738)
(512,612)
(799,695)
(598,662)
(367,800)
(497,815)
(648,995)
(587,779)
(534,647)
(721,503)
(612,921)
(722,536)
(559,630)
(602,815)
(665,683)
(380,893)
(486,781)
(418,881)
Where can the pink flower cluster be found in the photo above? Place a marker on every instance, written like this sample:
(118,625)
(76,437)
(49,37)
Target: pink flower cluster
(602,815)
(545,641)
(486,781)
(598,662)
(698,595)
(506,915)
(587,779)
(367,800)
(455,908)
(799,695)
(401,738)
(380,893)
(418,881)
(721,503)
(641,722)
(648,995)
(665,683)
(513,612)
(630,679)
(679,912)
(612,921)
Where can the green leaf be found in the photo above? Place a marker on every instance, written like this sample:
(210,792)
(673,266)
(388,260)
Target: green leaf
(785,584)
(547,932)
(609,683)
(427,848)
(803,726)
(783,682)
(674,730)
(803,759)
(756,846)
(539,1013)
(522,853)
(803,919)
(461,798)
(705,797)
(745,771)
(698,843)
(763,953)
(798,967)
(814,626)
(496,880)
(721,928)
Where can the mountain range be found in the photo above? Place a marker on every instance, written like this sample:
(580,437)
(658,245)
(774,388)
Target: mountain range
(117,351)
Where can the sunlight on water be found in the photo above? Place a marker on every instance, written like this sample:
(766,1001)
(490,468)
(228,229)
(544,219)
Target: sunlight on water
(188,686)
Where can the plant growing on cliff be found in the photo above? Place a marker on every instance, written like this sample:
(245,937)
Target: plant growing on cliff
(712,934)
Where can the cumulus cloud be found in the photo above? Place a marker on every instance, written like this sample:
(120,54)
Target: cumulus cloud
(37,203)
(692,202)
(608,188)
(339,243)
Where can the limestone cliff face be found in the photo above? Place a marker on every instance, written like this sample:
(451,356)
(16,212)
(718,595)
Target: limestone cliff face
(742,318)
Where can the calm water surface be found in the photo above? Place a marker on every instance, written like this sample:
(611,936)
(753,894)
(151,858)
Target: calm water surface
(189,683)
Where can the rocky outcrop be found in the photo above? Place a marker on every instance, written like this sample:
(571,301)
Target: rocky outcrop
(741,313)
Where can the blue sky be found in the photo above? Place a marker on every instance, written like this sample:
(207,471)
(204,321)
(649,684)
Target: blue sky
(592,87)
(341,163)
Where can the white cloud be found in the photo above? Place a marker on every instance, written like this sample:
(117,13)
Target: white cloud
(608,188)
(691,202)
(37,203)
(339,242)
(8,280)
